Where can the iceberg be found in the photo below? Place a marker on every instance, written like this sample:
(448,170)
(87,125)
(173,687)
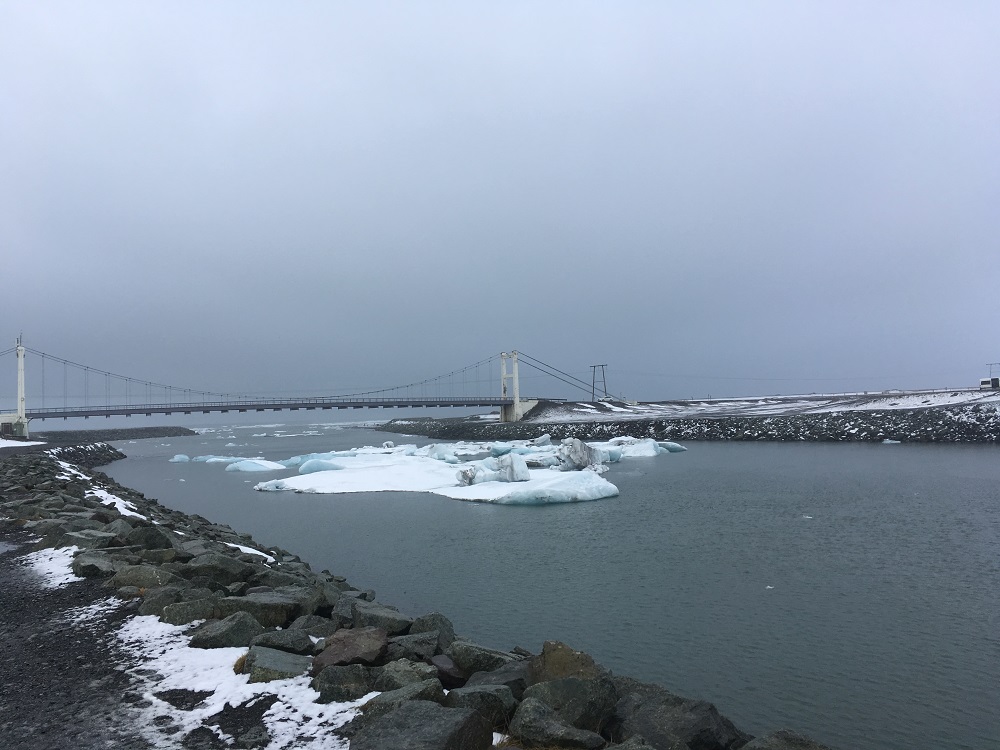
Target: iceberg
(255,464)
(318,464)
(180,458)
(219,459)
(543,488)
(672,447)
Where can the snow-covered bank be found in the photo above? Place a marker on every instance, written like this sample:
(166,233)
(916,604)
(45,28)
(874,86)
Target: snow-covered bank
(940,424)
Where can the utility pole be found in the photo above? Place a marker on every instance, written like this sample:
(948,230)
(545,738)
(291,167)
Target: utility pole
(593,381)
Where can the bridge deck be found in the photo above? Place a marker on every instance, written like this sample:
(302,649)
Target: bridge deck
(128,410)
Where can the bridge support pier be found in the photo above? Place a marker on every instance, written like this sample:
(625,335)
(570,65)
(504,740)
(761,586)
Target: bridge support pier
(515,411)
(15,424)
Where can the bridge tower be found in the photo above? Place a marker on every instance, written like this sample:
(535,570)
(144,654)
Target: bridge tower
(515,411)
(15,423)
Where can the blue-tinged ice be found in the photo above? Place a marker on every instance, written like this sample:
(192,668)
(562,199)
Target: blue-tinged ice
(294,461)
(318,464)
(500,449)
(180,458)
(672,447)
(255,464)
(219,459)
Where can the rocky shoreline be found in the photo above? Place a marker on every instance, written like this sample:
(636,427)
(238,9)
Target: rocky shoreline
(399,681)
(962,424)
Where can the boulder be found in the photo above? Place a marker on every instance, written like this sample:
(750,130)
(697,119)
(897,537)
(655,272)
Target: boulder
(515,675)
(423,725)
(144,577)
(346,683)
(535,724)
(471,657)
(557,660)
(236,630)
(353,646)
(181,613)
(150,537)
(292,641)
(585,704)
(370,614)
(495,703)
(87,539)
(222,568)
(119,527)
(274,609)
(93,565)
(415,647)
(383,703)
(448,672)
(321,627)
(784,739)
(664,719)
(402,672)
(156,599)
(266,664)
(435,621)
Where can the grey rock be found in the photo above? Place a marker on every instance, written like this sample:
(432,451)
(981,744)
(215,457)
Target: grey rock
(119,527)
(557,660)
(236,630)
(144,576)
(272,608)
(423,725)
(181,613)
(415,647)
(494,702)
(370,614)
(321,627)
(784,739)
(156,599)
(583,703)
(87,539)
(292,641)
(665,719)
(440,623)
(383,703)
(448,672)
(93,565)
(472,658)
(150,537)
(225,569)
(353,646)
(536,724)
(402,672)
(345,683)
(266,664)
(514,675)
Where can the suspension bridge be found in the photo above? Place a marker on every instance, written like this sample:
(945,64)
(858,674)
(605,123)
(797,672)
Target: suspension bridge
(93,392)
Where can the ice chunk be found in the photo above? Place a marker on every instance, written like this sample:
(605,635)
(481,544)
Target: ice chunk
(388,444)
(255,464)
(219,459)
(545,487)
(318,464)
(180,458)
(574,454)
(500,449)
(513,468)
(672,447)
(444,453)
(299,460)
(545,439)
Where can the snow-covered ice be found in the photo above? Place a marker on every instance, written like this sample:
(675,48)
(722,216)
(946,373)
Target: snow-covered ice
(4,443)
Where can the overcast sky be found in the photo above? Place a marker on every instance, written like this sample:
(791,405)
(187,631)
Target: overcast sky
(711,198)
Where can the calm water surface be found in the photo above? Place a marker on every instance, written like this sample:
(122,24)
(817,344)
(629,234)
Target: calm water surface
(850,592)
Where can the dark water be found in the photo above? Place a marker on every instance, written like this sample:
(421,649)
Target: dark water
(881,629)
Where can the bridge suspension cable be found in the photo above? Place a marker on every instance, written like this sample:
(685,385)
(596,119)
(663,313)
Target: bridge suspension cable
(568,379)
(426,381)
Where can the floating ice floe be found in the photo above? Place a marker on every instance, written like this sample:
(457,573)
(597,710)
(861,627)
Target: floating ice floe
(509,472)
(180,458)
(255,464)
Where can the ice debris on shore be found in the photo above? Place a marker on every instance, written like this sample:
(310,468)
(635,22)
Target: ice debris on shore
(521,472)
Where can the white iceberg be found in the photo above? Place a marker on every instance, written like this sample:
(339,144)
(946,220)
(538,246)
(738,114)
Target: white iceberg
(318,464)
(255,464)
(180,458)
